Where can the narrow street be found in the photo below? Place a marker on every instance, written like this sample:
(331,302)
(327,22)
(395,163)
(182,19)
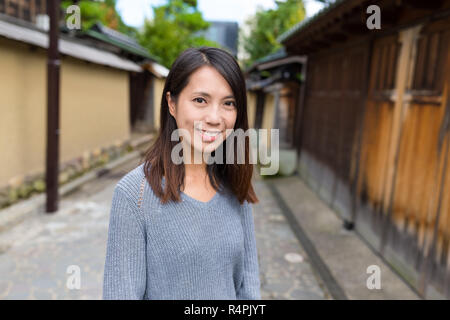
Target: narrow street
(353,109)
(303,251)
(37,253)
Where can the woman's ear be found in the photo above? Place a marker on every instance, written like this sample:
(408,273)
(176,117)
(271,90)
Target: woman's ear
(170,103)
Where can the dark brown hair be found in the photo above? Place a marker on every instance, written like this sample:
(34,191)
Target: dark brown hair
(236,177)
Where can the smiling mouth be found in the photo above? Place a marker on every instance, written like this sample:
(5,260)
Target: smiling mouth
(209,136)
(210,133)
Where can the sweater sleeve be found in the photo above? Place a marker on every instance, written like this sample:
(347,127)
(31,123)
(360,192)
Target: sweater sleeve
(125,263)
(250,287)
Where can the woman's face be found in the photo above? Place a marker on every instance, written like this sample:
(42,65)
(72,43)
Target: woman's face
(205,108)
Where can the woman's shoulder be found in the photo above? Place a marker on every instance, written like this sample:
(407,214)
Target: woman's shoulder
(137,187)
(131,182)
(133,177)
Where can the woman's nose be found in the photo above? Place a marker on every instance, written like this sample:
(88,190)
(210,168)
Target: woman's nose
(213,115)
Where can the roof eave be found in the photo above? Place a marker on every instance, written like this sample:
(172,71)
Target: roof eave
(304,23)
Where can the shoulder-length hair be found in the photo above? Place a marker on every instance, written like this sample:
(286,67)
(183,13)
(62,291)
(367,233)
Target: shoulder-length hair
(236,176)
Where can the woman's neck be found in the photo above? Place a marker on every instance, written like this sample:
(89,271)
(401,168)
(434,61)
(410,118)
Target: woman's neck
(195,170)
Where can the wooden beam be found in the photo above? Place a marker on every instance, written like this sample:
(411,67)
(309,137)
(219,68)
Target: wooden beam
(320,43)
(404,72)
(423,4)
(354,22)
(53,110)
(390,16)
(336,37)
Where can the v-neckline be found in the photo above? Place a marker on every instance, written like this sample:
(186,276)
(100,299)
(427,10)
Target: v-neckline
(203,203)
(191,199)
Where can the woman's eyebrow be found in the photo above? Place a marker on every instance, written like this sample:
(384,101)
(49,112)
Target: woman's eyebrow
(209,96)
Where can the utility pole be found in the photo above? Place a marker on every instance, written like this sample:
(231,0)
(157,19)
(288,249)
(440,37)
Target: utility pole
(53,66)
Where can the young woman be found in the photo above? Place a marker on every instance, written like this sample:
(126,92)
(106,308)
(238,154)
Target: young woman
(185,230)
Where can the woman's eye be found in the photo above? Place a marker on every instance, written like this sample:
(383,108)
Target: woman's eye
(232,103)
(199,100)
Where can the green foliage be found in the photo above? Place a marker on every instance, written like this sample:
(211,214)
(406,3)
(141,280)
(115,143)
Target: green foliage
(174,28)
(299,76)
(265,74)
(267,25)
(101,11)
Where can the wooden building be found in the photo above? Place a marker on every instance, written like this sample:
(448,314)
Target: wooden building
(274,86)
(27,10)
(372,131)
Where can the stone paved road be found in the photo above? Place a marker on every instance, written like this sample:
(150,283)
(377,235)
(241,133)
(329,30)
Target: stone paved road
(285,271)
(35,255)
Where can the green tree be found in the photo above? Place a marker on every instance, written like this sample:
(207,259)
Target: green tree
(175,27)
(101,11)
(267,25)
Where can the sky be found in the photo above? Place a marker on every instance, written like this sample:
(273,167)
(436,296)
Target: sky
(134,11)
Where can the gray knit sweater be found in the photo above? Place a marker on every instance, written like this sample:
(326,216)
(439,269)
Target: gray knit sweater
(189,250)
